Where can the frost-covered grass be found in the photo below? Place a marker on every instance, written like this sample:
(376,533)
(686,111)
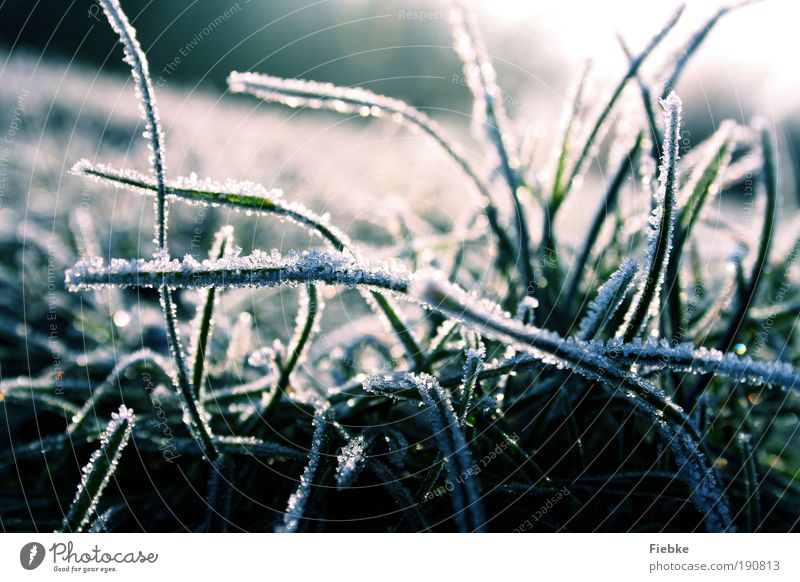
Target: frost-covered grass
(622,375)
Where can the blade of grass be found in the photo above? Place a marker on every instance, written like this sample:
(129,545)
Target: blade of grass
(223,244)
(295,92)
(769,183)
(135,57)
(97,473)
(490,114)
(250,197)
(662,223)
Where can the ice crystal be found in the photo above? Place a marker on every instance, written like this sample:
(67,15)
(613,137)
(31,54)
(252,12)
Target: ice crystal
(351,461)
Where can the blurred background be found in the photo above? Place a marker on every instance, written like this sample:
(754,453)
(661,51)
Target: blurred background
(402,47)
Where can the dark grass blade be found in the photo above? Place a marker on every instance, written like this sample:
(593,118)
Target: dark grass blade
(769,186)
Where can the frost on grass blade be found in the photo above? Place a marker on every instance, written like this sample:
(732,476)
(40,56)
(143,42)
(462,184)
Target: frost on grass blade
(397,386)
(296,507)
(489,122)
(348,100)
(238,195)
(260,269)
(457,457)
(351,461)
(662,225)
(685,358)
(610,297)
(315,95)
(433,290)
(135,57)
(97,473)
(488,113)
(705,489)
(250,197)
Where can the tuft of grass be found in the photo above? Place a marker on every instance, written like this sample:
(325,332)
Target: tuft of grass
(439,410)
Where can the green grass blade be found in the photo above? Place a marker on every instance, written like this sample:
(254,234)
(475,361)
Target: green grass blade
(769,183)
(223,244)
(250,197)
